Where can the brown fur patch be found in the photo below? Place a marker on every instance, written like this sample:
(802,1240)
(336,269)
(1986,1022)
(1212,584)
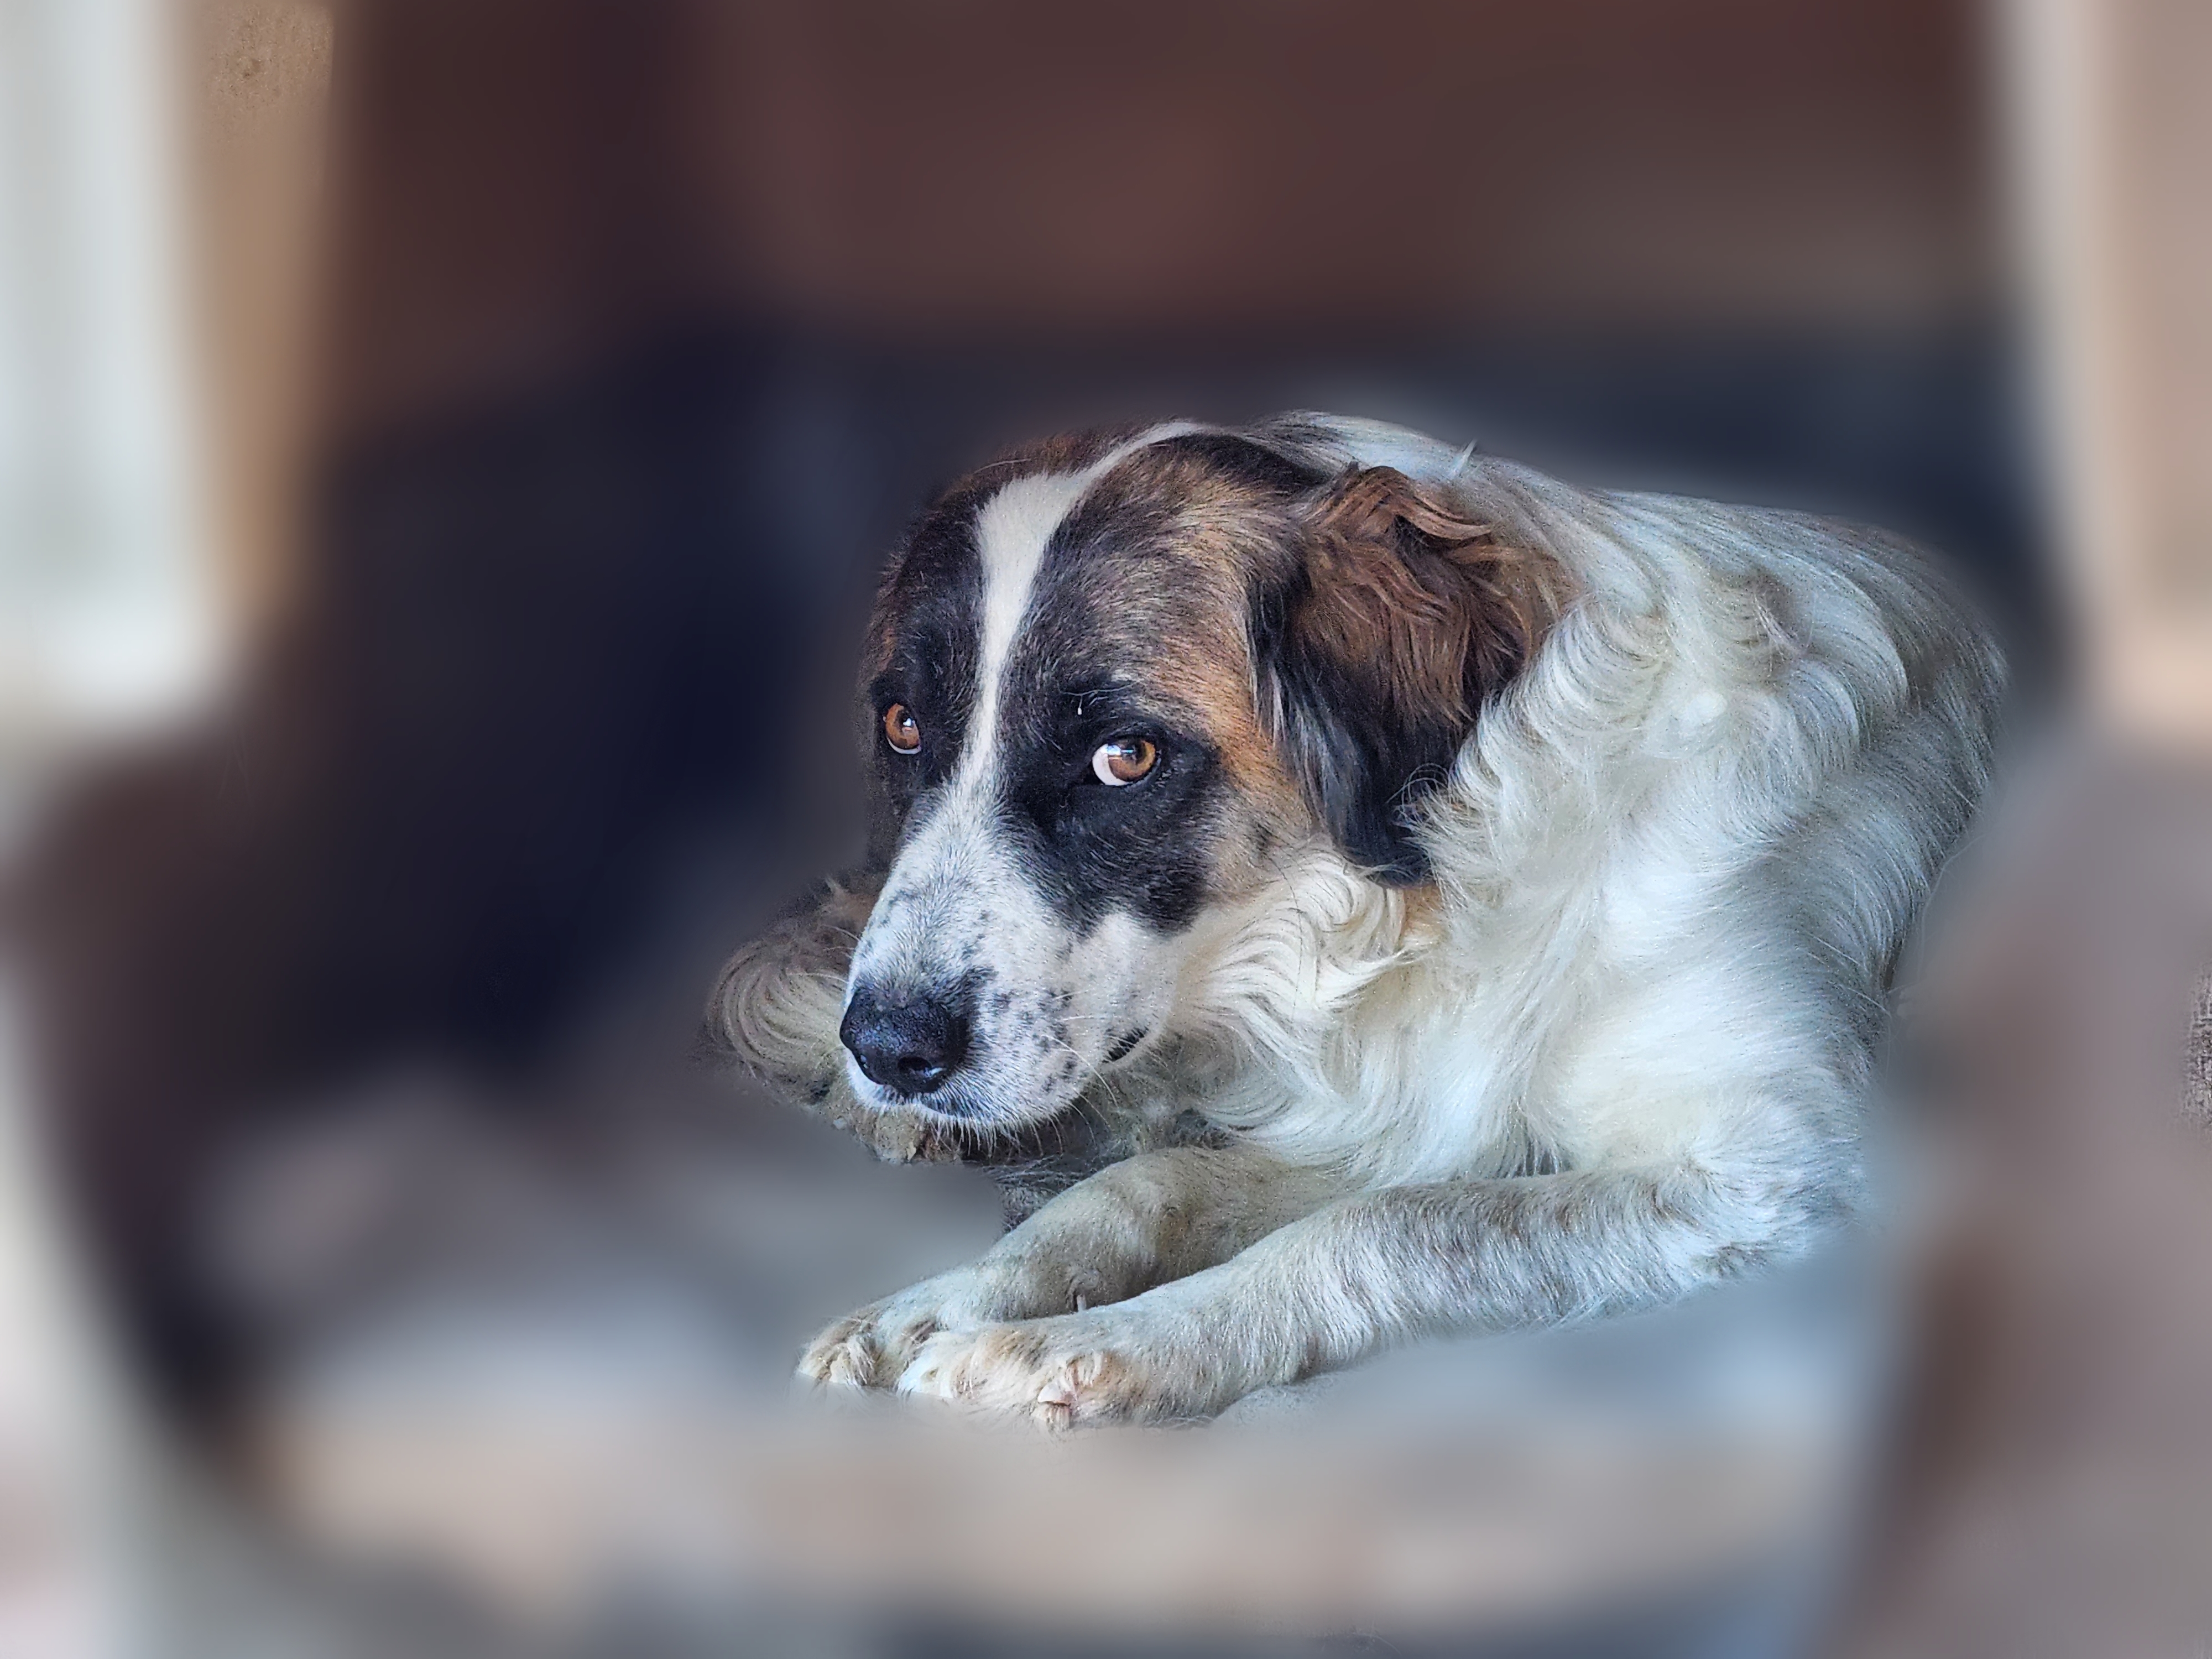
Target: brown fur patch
(1188,587)
(1427,607)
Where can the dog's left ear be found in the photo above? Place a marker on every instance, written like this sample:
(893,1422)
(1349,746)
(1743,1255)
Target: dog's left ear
(1400,619)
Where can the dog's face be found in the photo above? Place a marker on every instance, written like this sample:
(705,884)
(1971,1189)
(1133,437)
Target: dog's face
(1104,682)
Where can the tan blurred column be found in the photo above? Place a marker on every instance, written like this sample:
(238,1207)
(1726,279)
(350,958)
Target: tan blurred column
(265,70)
(2112,111)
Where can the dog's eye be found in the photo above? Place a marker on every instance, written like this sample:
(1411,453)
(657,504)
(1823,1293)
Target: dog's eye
(901,730)
(1124,760)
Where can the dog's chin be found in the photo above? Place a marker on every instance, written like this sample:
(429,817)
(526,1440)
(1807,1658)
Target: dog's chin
(983,1104)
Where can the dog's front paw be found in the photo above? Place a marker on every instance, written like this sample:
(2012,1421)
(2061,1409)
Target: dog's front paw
(1106,1365)
(873,1346)
(856,1352)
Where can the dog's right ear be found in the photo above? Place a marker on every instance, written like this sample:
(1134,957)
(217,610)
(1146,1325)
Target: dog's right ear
(1400,619)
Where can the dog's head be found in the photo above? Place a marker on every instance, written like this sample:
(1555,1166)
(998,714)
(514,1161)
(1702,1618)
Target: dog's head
(1104,682)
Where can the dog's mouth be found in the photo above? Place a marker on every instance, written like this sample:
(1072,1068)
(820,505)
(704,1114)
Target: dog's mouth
(956,1103)
(981,1077)
(981,1099)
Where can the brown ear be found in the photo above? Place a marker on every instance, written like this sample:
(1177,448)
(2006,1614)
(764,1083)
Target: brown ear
(1404,618)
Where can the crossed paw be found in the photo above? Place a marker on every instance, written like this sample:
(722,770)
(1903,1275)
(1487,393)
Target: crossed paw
(1122,1362)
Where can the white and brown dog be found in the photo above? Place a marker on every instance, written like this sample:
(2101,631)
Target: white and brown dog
(1426,897)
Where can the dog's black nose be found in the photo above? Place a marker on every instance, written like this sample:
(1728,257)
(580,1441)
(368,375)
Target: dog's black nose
(907,1043)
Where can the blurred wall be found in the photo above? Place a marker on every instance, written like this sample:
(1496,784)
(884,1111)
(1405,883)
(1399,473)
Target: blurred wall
(525,184)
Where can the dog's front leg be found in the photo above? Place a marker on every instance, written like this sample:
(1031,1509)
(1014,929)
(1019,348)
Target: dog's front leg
(1357,1276)
(1145,1221)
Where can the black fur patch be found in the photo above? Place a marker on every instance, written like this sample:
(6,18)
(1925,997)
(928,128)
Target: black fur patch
(1365,765)
(932,602)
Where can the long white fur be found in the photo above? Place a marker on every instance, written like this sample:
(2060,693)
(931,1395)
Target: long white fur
(1626,1048)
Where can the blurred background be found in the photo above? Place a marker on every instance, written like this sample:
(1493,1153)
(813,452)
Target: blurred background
(447,448)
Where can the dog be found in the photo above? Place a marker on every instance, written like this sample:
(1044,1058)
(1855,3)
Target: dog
(1356,889)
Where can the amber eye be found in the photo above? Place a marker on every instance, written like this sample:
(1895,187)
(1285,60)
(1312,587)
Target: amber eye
(1124,760)
(901,730)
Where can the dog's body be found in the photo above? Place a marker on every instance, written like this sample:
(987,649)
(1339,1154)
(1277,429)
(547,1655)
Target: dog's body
(1455,899)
